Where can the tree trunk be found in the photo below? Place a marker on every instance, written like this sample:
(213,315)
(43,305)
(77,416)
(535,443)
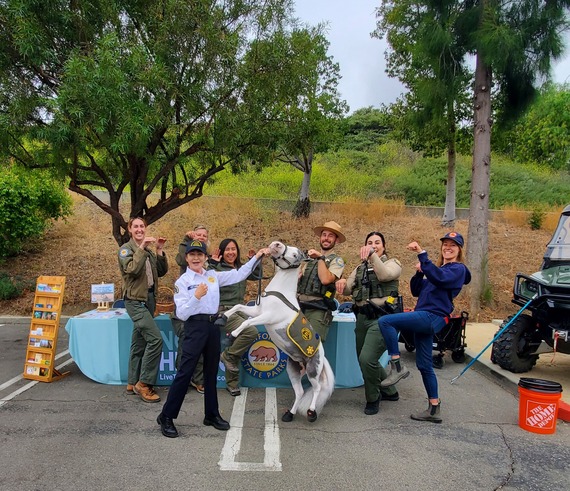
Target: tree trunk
(477,244)
(302,208)
(448,219)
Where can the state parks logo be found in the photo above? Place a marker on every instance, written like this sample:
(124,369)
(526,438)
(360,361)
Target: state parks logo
(264,360)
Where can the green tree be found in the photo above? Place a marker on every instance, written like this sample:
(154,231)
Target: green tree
(366,128)
(514,43)
(427,58)
(143,96)
(311,122)
(542,135)
(29,201)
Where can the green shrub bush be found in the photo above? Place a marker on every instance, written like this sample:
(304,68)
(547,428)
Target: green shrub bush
(13,287)
(536,219)
(28,203)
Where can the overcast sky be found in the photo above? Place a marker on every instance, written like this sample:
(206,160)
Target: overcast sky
(361,58)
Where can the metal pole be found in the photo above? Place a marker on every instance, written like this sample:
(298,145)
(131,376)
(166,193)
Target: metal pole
(494,339)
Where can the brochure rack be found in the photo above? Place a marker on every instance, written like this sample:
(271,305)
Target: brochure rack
(44,329)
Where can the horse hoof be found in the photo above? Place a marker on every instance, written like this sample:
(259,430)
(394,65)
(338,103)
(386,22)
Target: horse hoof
(311,416)
(287,417)
(221,321)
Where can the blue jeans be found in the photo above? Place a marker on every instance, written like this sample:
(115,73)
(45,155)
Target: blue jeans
(424,325)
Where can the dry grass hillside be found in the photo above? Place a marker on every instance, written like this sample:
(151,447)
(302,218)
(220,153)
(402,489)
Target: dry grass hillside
(83,249)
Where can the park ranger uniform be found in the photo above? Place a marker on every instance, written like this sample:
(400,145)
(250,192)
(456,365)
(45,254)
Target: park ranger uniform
(317,300)
(140,270)
(373,281)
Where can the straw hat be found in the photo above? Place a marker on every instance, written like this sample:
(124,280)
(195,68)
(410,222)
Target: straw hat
(331,227)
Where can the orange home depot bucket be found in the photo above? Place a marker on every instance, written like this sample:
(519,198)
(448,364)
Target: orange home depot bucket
(538,405)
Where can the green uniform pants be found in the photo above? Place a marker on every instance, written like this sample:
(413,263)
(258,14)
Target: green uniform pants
(320,321)
(146,342)
(370,345)
(178,328)
(240,345)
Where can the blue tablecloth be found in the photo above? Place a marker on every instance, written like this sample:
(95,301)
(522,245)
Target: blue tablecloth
(99,343)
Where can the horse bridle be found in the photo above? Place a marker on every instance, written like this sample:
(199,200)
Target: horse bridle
(282,257)
(290,265)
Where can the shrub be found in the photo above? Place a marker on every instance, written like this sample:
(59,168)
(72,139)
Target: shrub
(536,219)
(28,203)
(13,287)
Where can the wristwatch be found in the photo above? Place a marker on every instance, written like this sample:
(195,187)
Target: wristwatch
(323,258)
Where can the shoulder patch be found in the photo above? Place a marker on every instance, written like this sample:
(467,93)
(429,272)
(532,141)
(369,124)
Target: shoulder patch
(124,252)
(339,261)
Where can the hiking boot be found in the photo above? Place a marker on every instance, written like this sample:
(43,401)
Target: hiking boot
(431,414)
(130,389)
(392,397)
(234,391)
(372,407)
(230,366)
(146,392)
(199,387)
(397,373)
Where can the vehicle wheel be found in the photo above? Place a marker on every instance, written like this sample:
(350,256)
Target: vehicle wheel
(438,361)
(409,347)
(458,356)
(514,349)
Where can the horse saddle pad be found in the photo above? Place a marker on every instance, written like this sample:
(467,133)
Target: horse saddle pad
(303,336)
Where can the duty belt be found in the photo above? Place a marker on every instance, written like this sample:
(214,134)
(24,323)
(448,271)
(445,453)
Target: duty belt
(203,317)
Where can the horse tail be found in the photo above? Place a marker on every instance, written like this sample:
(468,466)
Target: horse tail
(326,380)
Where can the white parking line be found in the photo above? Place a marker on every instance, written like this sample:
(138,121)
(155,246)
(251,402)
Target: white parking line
(11,396)
(271,445)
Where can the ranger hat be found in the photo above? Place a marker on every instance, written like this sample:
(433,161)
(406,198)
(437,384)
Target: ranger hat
(331,227)
(196,245)
(455,237)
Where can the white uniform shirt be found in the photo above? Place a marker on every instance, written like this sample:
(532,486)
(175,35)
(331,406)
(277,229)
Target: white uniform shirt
(186,302)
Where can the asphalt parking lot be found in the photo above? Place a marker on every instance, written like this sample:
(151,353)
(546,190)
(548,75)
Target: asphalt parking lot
(75,434)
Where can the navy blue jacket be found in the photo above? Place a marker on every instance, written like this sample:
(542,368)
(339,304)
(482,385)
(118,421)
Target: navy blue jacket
(437,287)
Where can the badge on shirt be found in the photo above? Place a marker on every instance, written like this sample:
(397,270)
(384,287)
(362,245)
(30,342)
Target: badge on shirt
(175,288)
(339,261)
(211,279)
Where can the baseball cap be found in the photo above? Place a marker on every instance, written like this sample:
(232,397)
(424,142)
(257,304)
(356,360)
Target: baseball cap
(196,245)
(455,237)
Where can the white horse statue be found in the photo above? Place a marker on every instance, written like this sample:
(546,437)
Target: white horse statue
(277,309)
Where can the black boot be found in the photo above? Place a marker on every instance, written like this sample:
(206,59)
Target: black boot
(372,407)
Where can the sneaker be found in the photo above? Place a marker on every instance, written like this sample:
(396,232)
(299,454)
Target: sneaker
(372,407)
(146,392)
(431,414)
(392,397)
(395,375)
(228,364)
(130,390)
(199,387)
